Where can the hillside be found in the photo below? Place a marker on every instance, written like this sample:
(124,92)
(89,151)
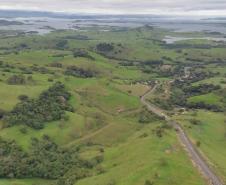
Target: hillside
(70,109)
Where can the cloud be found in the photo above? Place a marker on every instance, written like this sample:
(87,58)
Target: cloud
(179,7)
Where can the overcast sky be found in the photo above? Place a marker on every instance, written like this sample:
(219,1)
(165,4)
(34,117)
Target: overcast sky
(172,7)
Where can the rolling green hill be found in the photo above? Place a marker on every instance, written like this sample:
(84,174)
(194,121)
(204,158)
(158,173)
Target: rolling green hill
(100,134)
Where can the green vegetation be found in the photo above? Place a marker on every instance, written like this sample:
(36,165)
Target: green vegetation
(44,160)
(70,110)
(50,106)
(210,133)
(78,72)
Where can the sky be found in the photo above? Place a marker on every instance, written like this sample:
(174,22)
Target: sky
(165,7)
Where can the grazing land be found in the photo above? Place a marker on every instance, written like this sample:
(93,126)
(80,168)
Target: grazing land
(71,114)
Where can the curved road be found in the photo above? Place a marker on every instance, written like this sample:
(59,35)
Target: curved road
(193,153)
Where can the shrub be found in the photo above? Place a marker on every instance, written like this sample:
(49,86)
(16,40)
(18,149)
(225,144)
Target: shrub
(23,97)
(146,116)
(23,130)
(50,80)
(16,80)
(198,143)
(195,122)
(56,64)
(148,182)
(42,70)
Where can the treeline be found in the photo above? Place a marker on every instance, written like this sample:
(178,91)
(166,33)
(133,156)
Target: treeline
(26,70)
(203,105)
(191,46)
(19,80)
(45,159)
(82,53)
(105,47)
(200,89)
(78,37)
(49,106)
(110,50)
(183,91)
(16,80)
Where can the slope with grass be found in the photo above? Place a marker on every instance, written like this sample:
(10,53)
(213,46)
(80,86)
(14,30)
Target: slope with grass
(208,135)
(105,128)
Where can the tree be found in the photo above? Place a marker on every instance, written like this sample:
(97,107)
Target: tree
(62,44)
(23,97)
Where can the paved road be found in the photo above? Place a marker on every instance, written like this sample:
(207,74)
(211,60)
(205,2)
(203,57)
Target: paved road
(190,148)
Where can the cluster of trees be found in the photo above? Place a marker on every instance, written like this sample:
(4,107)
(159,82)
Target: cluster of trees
(146,116)
(8,23)
(203,105)
(200,75)
(42,70)
(45,159)
(6,67)
(50,106)
(164,104)
(77,37)
(16,80)
(160,130)
(182,91)
(200,89)
(56,64)
(185,46)
(82,53)
(155,66)
(25,70)
(80,72)
(62,44)
(29,70)
(105,47)
(126,63)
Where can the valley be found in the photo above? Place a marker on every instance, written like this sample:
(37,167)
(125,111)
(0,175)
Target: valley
(72,107)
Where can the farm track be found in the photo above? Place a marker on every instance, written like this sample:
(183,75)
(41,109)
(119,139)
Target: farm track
(193,153)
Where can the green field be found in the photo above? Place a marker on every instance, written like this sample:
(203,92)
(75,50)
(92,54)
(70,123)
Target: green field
(207,98)
(106,121)
(211,134)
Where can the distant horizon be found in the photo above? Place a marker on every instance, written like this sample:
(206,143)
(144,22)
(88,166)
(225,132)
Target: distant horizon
(110,14)
(192,8)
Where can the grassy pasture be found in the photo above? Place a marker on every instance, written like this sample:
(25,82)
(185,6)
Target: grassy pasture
(105,106)
(150,158)
(210,98)
(211,134)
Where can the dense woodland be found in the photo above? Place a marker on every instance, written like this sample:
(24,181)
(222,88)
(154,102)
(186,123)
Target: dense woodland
(45,159)
(50,106)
